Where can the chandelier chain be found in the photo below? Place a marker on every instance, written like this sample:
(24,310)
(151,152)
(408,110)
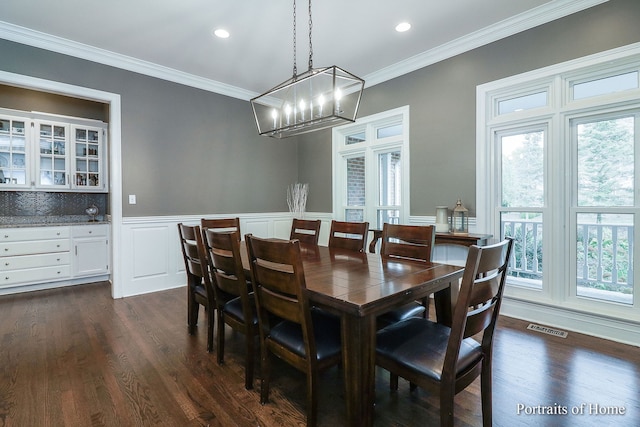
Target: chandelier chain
(295,68)
(310,43)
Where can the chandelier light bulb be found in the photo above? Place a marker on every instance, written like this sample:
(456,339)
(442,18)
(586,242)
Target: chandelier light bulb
(302,105)
(338,96)
(287,111)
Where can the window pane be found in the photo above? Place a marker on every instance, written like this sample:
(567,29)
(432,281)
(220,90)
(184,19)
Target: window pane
(525,266)
(355,138)
(606,85)
(388,131)
(604,265)
(354,215)
(389,179)
(355,181)
(520,103)
(391,216)
(523,169)
(605,162)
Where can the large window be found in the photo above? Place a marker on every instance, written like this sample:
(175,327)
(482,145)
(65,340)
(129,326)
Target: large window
(557,150)
(371,169)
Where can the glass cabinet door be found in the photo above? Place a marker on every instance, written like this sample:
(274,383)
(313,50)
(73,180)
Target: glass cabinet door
(13,153)
(52,155)
(88,143)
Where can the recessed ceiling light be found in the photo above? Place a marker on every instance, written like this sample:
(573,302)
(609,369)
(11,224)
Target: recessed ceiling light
(223,34)
(402,27)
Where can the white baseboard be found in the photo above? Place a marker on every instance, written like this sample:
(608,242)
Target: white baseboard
(562,318)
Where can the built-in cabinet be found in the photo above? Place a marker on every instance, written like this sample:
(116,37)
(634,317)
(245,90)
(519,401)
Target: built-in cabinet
(52,153)
(45,254)
(90,249)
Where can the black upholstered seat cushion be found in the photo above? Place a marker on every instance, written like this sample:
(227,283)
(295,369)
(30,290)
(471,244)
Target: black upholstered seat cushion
(326,329)
(413,309)
(200,290)
(234,308)
(421,345)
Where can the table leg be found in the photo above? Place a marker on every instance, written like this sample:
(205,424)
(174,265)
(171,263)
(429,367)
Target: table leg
(443,303)
(358,346)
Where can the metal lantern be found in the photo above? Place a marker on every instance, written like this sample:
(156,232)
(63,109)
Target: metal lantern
(460,219)
(317,99)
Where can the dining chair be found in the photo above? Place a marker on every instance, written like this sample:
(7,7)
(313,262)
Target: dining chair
(199,287)
(234,299)
(306,338)
(222,224)
(348,235)
(446,359)
(412,243)
(305,230)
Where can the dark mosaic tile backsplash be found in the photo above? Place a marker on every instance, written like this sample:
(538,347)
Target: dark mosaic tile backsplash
(45,204)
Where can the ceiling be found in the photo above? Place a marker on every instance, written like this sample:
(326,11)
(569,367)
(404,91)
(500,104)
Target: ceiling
(173,39)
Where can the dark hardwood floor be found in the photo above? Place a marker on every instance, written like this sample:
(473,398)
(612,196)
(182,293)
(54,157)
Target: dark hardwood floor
(76,357)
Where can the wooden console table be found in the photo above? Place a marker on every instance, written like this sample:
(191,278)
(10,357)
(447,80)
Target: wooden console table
(441,239)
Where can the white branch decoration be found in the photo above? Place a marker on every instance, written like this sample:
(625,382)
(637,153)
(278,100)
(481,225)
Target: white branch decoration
(297,198)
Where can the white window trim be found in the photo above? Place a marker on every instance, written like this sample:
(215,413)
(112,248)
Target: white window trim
(339,150)
(556,305)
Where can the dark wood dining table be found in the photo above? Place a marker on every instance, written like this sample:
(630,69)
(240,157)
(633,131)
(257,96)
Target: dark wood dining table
(359,286)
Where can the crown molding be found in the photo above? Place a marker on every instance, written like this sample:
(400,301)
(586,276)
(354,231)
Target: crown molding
(508,27)
(56,44)
(538,16)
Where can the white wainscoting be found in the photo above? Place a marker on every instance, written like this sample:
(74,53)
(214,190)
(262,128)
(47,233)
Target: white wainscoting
(150,257)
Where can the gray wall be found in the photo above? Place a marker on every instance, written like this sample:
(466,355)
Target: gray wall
(442,100)
(184,150)
(187,151)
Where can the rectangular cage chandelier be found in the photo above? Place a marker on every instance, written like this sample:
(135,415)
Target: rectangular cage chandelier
(317,99)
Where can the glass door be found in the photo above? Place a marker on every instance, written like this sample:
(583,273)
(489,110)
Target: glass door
(52,155)
(14,161)
(88,153)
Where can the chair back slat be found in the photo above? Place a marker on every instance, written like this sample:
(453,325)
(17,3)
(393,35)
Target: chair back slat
(305,230)
(484,290)
(479,319)
(411,242)
(348,235)
(222,224)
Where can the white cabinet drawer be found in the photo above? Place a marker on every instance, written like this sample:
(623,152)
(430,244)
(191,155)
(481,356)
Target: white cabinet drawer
(44,274)
(34,261)
(94,230)
(33,233)
(34,247)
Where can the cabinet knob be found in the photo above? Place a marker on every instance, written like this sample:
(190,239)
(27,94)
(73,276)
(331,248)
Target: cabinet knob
(6,236)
